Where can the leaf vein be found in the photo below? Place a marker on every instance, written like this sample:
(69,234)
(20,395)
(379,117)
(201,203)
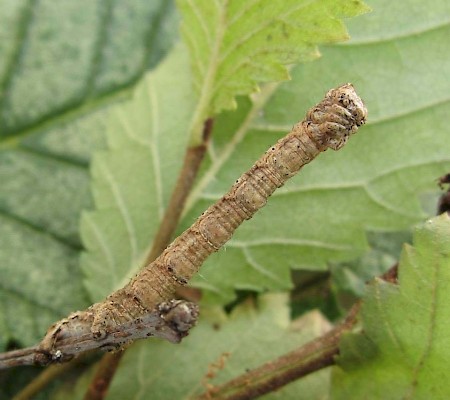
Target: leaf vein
(121,205)
(155,131)
(110,261)
(259,268)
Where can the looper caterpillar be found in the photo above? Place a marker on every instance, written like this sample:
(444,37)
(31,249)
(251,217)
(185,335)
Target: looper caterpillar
(327,125)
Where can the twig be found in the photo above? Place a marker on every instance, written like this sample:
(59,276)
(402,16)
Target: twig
(109,363)
(170,320)
(48,375)
(141,308)
(106,369)
(192,161)
(311,357)
(16,358)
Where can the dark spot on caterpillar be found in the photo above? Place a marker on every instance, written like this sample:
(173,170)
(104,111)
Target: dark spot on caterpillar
(97,335)
(182,281)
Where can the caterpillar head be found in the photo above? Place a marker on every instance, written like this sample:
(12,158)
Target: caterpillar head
(338,116)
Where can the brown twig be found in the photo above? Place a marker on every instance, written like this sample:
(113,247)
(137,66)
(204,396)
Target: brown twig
(192,161)
(48,375)
(311,357)
(141,307)
(106,369)
(194,156)
(17,358)
(170,320)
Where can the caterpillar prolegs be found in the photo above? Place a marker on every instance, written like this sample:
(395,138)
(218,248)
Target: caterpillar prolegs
(327,125)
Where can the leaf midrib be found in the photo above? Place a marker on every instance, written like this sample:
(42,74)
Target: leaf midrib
(14,139)
(203,104)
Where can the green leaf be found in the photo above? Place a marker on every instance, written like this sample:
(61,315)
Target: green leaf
(60,66)
(373,183)
(404,348)
(350,277)
(235,45)
(133,180)
(250,335)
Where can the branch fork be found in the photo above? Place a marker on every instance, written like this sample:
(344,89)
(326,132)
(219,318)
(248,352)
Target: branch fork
(170,320)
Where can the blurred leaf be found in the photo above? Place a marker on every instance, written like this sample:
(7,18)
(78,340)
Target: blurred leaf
(45,68)
(60,65)
(244,340)
(235,45)
(350,277)
(404,348)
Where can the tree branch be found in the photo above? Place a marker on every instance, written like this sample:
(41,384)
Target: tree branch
(191,164)
(106,369)
(140,308)
(48,375)
(311,357)
(170,320)
(194,156)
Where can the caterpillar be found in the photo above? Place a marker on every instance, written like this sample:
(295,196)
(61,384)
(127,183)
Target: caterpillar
(327,125)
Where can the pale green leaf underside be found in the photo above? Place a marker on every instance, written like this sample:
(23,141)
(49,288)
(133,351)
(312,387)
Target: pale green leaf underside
(235,45)
(319,216)
(404,350)
(60,64)
(372,183)
(251,335)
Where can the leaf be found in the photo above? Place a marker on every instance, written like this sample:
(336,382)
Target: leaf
(60,66)
(373,183)
(133,180)
(350,277)
(251,335)
(235,45)
(47,69)
(403,350)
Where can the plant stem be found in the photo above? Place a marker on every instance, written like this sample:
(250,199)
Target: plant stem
(311,357)
(192,161)
(107,367)
(48,375)
(194,156)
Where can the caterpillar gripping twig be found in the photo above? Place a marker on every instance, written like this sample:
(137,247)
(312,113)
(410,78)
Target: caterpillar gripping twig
(143,301)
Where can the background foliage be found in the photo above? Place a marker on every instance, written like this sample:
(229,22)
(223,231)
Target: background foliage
(68,96)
